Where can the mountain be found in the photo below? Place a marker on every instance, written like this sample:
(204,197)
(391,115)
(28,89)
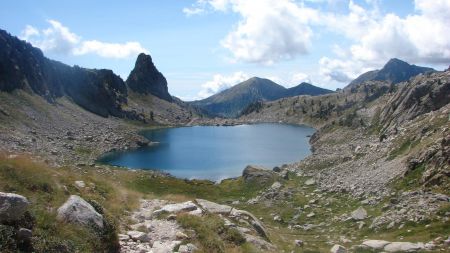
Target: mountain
(394,71)
(231,102)
(146,79)
(144,97)
(306,89)
(23,66)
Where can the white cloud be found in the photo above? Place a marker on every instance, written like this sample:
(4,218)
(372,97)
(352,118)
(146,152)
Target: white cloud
(193,11)
(29,31)
(109,50)
(59,39)
(417,38)
(268,31)
(220,83)
(273,31)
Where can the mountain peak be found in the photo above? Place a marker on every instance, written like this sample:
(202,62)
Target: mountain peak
(394,71)
(146,79)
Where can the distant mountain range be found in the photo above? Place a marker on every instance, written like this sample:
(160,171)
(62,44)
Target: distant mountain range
(394,71)
(145,92)
(231,102)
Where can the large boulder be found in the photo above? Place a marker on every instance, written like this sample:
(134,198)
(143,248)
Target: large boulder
(212,207)
(12,206)
(257,174)
(375,244)
(77,210)
(178,207)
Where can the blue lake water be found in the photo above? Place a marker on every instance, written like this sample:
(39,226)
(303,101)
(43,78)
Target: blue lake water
(217,152)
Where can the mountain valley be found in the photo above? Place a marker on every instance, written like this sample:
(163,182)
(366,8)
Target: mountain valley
(378,178)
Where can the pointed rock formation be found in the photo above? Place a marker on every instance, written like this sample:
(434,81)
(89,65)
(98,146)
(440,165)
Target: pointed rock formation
(146,79)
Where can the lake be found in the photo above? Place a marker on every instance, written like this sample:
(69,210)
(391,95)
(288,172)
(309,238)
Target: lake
(216,152)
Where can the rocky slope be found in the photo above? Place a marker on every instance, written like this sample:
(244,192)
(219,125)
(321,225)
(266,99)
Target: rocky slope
(233,101)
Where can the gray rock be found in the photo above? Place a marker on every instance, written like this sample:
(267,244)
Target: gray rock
(275,186)
(375,244)
(359,214)
(403,247)
(179,207)
(310,181)
(338,249)
(24,234)
(212,207)
(137,235)
(257,174)
(12,206)
(77,210)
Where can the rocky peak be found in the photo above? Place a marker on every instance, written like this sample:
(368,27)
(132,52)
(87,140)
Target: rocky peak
(146,79)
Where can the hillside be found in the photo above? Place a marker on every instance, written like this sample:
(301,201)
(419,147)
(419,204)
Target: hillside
(231,102)
(393,72)
(24,67)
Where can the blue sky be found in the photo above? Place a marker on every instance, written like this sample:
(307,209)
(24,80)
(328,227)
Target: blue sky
(205,46)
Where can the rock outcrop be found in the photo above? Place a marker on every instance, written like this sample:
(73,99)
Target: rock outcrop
(420,95)
(146,79)
(257,174)
(77,210)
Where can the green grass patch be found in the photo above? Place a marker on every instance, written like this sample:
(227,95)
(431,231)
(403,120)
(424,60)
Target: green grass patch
(211,232)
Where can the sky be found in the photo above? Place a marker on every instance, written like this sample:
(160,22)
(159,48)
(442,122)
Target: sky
(205,46)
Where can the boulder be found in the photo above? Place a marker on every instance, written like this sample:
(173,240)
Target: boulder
(403,247)
(257,174)
(77,210)
(338,249)
(375,244)
(359,214)
(12,206)
(138,236)
(178,207)
(212,207)
(299,243)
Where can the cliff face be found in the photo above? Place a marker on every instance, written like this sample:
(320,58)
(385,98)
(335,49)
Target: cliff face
(146,79)
(23,66)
